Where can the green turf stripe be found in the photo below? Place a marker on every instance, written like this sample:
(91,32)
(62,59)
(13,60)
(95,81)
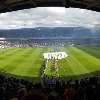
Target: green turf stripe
(65,68)
(31,65)
(5,58)
(76,65)
(37,62)
(8,61)
(94,51)
(16,60)
(9,53)
(70,65)
(89,61)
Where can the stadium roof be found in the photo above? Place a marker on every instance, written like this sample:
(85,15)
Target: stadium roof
(13,5)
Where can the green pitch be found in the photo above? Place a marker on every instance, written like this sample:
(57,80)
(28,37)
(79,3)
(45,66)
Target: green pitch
(81,61)
(28,62)
(22,62)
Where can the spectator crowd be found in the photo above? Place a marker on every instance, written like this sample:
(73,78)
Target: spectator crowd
(50,89)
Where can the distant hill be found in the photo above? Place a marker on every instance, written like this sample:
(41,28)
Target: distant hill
(49,32)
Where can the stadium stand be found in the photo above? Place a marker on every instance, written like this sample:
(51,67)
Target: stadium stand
(50,89)
(43,37)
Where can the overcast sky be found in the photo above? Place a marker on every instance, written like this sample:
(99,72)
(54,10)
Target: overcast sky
(51,16)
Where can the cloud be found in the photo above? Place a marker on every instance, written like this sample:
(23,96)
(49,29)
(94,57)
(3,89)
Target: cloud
(50,16)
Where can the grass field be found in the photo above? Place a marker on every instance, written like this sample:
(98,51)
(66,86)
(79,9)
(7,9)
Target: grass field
(27,62)
(22,62)
(81,61)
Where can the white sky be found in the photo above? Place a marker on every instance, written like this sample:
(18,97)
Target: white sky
(50,16)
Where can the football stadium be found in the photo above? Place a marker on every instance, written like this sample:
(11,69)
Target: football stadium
(50,50)
(49,63)
(73,56)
